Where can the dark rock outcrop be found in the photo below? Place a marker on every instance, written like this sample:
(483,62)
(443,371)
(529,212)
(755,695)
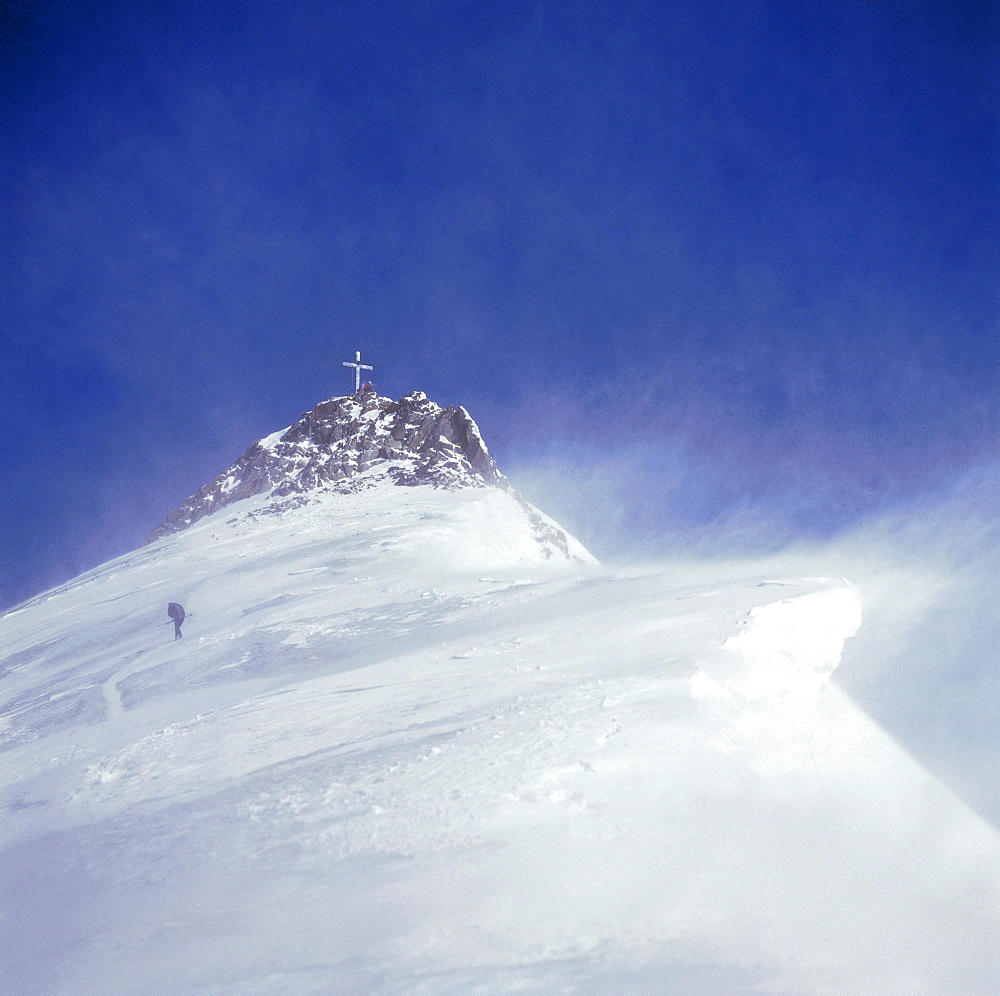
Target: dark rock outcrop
(346,444)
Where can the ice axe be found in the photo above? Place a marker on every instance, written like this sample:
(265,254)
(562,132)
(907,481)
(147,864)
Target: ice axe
(170,622)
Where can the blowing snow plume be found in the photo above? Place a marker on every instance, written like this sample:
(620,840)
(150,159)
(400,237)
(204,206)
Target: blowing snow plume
(926,664)
(408,744)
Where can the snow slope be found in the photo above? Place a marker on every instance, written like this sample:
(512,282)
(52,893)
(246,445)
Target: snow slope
(400,751)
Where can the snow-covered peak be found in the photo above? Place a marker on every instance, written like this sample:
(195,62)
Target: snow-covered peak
(349,443)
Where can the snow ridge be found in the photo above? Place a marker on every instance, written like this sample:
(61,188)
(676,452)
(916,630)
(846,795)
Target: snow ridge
(399,752)
(350,443)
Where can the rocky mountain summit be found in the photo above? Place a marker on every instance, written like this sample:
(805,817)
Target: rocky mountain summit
(350,443)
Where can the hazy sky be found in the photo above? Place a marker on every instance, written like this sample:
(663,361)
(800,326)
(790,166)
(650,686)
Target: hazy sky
(711,262)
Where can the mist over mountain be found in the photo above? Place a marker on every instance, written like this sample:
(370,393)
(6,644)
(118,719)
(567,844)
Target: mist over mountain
(414,738)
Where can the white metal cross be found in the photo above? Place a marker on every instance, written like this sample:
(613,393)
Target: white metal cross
(358,367)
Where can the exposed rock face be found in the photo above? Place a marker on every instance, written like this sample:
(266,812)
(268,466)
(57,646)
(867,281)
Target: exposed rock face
(353,442)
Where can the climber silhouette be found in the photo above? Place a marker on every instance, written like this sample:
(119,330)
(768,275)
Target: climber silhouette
(176,612)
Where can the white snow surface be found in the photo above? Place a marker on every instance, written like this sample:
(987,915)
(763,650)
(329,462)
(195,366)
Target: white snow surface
(398,751)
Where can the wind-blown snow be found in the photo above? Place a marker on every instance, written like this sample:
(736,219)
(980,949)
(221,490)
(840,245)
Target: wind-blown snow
(398,750)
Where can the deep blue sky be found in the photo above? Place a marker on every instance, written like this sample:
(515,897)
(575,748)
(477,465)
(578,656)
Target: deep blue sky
(710,260)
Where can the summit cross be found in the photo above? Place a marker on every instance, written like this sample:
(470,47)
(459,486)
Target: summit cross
(358,367)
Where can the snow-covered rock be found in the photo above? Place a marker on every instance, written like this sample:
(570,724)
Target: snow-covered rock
(362,442)
(350,443)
